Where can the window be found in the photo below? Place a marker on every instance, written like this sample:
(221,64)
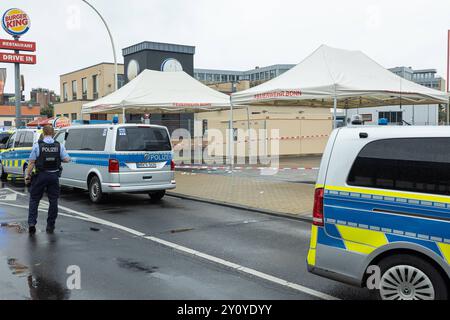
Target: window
(87,139)
(74,140)
(74,90)
(7,123)
(97,116)
(121,80)
(95,86)
(20,139)
(395,117)
(66,115)
(205,126)
(74,116)
(11,141)
(61,137)
(84,88)
(65,93)
(28,140)
(142,139)
(95,139)
(367,117)
(415,164)
(4,137)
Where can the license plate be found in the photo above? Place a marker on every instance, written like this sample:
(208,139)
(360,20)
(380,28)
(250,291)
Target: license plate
(147,165)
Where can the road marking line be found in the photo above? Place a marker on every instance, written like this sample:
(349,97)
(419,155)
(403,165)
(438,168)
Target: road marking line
(42,210)
(205,256)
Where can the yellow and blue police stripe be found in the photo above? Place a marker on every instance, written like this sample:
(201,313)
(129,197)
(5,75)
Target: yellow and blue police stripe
(361,220)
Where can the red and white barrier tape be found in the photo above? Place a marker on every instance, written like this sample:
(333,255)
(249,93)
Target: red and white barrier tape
(279,138)
(217,168)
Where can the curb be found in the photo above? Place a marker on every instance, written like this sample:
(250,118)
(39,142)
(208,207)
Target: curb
(242,207)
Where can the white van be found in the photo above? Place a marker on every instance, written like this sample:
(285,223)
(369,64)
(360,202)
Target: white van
(382,211)
(118,158)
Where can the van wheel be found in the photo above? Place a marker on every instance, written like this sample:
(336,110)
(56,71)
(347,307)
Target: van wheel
(407,277)
(157,196)
(95,190)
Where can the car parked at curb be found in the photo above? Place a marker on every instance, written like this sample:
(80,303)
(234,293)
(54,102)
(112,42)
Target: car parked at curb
(115,158)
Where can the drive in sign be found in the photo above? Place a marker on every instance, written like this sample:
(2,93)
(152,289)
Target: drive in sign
(17,58)
(17,45)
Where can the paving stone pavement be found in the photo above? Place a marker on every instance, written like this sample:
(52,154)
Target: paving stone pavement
(292,199)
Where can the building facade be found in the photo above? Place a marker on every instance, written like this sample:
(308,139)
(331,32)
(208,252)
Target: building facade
(157,56)
(8,114)
(43,97)
(85,85)
(424,77)
(250,78)
(420,115)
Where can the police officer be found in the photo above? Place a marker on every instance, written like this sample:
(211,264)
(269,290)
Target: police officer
(46,156)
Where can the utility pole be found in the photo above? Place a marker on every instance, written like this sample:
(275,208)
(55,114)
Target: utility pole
(116,85)
(18,91)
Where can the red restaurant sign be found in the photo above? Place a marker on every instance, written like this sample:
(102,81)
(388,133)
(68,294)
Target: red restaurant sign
(17,45)
(17,58)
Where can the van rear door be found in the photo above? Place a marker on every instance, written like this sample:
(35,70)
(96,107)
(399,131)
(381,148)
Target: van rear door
(144,155)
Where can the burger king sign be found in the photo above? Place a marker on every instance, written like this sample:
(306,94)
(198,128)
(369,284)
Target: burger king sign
(16,22)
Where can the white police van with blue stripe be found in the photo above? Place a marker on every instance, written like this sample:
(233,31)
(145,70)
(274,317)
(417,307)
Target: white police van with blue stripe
(382,211)
(114,158)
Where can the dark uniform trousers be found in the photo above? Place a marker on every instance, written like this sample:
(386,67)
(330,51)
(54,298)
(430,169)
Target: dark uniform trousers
(44,181)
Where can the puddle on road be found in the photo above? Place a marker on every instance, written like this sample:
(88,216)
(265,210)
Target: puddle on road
(135,266)
(20,282)
(14,226)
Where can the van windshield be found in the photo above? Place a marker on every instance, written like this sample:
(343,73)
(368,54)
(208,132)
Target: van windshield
(142,139)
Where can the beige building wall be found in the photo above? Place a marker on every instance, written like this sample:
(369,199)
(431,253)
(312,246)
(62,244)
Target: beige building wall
(302,130)
(70,105)
(227,87)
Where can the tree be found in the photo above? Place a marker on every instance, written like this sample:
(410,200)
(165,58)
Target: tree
(47,111)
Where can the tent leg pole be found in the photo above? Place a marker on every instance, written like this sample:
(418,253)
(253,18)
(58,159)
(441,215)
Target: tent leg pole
(448,112)
(230,146)
(335,113)
(249,135)
(124,118)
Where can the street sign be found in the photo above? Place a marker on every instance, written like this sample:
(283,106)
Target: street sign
(17,58)
(16,22)
(17,45)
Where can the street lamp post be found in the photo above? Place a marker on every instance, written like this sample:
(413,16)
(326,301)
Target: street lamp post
(112,43)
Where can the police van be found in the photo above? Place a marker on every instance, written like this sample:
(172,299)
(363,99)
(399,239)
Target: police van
(381,215)
(113,158)
(14,158)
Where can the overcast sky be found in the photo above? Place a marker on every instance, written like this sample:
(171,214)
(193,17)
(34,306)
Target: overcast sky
(233,34)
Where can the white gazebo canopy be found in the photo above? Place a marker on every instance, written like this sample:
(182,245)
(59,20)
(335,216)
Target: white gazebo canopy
(154,91)
(338,78)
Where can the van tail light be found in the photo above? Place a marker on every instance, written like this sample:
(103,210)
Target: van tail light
(172,166)
(113,166)
(318,208)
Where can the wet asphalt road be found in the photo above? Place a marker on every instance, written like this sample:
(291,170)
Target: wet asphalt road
(118,263)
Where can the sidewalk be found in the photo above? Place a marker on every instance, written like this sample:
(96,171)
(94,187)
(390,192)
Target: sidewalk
(293,199)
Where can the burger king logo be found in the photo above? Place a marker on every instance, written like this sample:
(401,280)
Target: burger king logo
(16,22)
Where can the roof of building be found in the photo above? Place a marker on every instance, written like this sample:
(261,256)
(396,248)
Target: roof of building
(10,111)
(257,69)
(93,66)
(158,46)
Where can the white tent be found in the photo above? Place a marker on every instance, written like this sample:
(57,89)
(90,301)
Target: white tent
(154,91)
(338,78)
